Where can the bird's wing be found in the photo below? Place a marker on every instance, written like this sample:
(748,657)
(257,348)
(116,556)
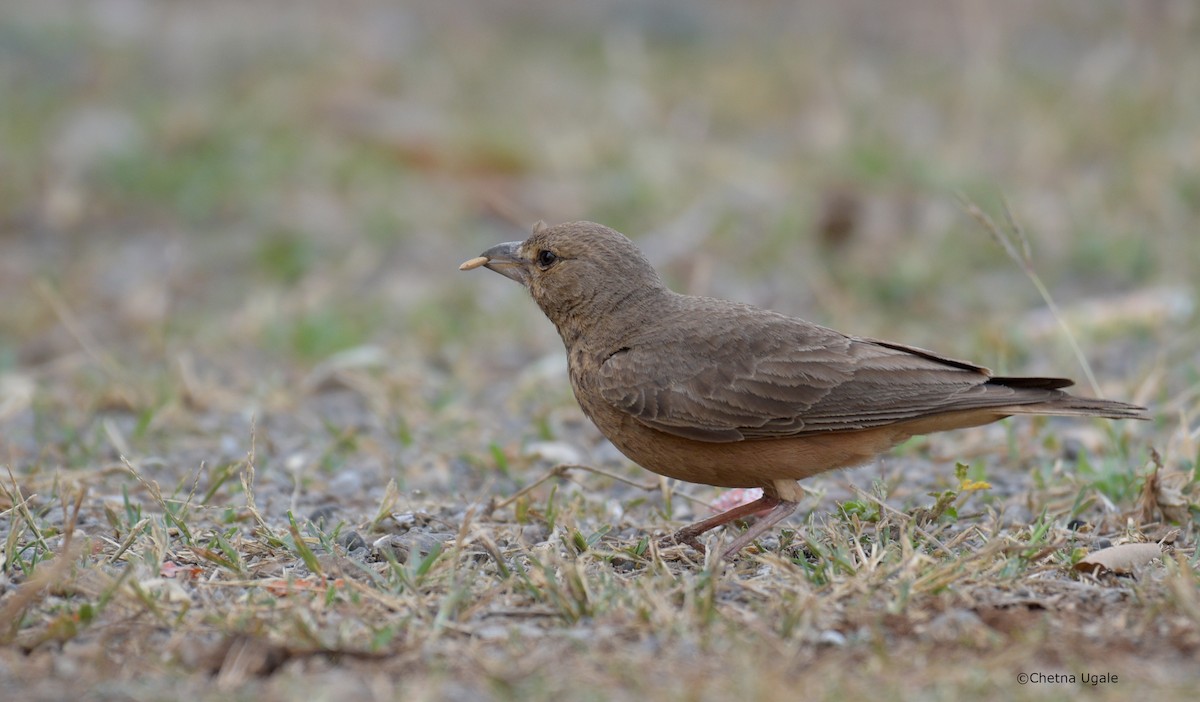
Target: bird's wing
(774,376)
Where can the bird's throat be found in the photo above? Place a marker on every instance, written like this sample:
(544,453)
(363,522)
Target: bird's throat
(609,319)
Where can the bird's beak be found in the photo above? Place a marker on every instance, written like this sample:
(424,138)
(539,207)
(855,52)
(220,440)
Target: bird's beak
(506,260)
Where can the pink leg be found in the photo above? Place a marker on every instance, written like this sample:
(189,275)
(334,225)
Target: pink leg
(778,510)
(776,515)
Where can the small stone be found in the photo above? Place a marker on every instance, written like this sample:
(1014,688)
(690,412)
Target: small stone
(351,541)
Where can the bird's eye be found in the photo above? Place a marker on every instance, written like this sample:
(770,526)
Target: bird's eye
(546,258)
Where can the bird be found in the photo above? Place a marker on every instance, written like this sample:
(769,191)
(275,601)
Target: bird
(722,393)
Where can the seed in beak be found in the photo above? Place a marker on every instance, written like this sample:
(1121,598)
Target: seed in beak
(473,263)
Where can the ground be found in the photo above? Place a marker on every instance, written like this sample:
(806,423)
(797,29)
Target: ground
(260,439)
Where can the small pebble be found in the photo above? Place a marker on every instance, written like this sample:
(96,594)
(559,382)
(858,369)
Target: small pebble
(352,540)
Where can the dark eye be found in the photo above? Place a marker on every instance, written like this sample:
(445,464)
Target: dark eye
(546,258)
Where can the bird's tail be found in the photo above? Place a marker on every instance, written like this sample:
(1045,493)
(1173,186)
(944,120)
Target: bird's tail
(1072,406)
(1059,403)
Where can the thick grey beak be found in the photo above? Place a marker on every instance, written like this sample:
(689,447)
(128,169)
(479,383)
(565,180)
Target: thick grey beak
(506,260)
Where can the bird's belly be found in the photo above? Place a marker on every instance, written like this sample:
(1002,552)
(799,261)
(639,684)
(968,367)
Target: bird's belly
(747,463)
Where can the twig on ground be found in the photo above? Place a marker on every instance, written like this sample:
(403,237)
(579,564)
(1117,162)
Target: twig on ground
(561,470)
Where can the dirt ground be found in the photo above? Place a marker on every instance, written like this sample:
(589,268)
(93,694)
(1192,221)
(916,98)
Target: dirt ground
(261,440)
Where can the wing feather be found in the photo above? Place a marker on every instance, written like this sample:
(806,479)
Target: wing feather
(756,375)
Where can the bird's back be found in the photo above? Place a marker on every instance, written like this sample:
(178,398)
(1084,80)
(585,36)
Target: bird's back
(718,371)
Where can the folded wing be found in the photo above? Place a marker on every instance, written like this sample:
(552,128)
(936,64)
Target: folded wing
(771,376)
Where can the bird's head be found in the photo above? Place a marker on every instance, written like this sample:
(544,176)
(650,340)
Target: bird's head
(578,272)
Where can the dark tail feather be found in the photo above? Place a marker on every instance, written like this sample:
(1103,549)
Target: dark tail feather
(1060,403)
(1032,383)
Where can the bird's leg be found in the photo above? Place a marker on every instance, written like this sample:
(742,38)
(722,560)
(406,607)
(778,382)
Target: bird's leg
(688,534)
(778,513)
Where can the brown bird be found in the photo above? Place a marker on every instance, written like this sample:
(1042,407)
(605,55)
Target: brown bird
(721,393)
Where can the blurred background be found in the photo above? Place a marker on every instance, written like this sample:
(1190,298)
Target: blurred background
(218,209)
(229,240)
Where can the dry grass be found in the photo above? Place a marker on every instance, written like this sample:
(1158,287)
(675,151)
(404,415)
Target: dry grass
(260,440)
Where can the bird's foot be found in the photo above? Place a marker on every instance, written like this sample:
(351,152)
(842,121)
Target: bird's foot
(780,511)
(772,509)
